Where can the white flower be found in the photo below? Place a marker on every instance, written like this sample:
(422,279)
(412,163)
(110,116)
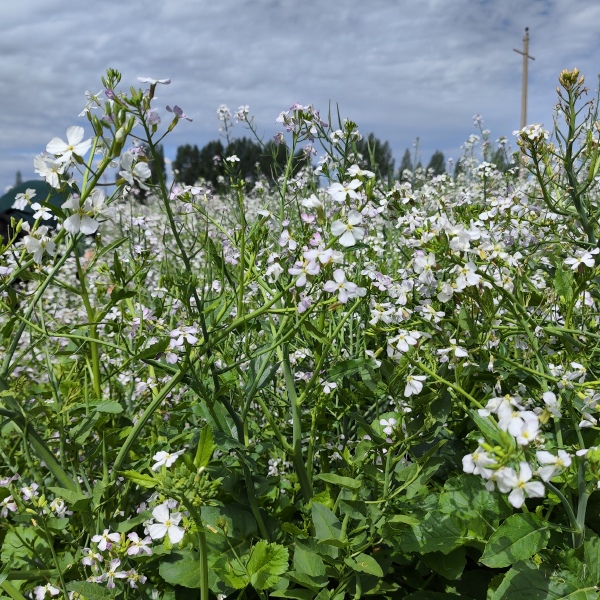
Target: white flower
(65,150)
(388,425)
(339,191)
(478,463)
(41,212)
(165,458)
(349,232)
(345,289)
(355,171)
(582,257)
(82,220)
(49,168)
(168,524)
(414,385)
(521,486)
(41,590)
(24,199)
(105,540)
(554,464)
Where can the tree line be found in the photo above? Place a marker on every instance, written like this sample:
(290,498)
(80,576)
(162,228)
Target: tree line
(266,162)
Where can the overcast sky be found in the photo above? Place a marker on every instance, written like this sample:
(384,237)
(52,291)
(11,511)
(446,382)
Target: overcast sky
(401,69)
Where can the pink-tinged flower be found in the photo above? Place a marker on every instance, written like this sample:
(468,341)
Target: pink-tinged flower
(178,112)
(339,191)
(344,288)
(91,558)
(40,591)
(137,544)
(181,335)
(553,465)
(348,232)
(165,458)
(30,491)
(113,574)
(521,485)
(133,578)
(105,540)
(65,150)
(414,385)
(302,270)
(167,524)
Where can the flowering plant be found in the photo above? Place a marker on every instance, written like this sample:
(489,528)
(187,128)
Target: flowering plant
(302,390)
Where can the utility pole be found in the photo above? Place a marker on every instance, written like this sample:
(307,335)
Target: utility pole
(526,56)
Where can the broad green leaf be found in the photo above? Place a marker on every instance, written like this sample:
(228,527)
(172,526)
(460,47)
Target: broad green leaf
(90,591)
(109,406)
(363,563)
(438,533)
(327,525)
(125,526)
(466,496)
(140,479)
(527,581)
(518,538)
(72,499)
(296,593)
(315,333)
(334,479)
(449,565)
(307,561)
(591,554)
(206,446)
(267,562)
(181,567)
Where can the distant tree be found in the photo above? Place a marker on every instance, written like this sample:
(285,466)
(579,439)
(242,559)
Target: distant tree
(501,160)
(210,166)
(376,156)
(437,164)
(405,165)
(157,166)
(18,179)
(186,165)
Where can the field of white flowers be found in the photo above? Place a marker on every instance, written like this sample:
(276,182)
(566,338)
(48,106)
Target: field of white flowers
(326,387)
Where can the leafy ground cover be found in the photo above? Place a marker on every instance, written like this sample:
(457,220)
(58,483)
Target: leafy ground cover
(329,387)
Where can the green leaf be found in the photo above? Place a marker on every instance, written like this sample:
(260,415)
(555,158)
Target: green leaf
(363,563)
(90,591)
(563,282)
(438,533)
(267,562)
(347,482)
(591,554)
(308,562)
(109,406)
(518,538)
(466,496)
(526,581)
(146,481)
(449,565)
(206,446)
(315,333)
(327,525)
(181,567)
(74,500)
(153,350)
(296,593)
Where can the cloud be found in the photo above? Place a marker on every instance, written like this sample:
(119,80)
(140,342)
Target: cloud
(399,68)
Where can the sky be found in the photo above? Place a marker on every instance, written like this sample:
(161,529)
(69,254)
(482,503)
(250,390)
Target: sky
(401,69)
